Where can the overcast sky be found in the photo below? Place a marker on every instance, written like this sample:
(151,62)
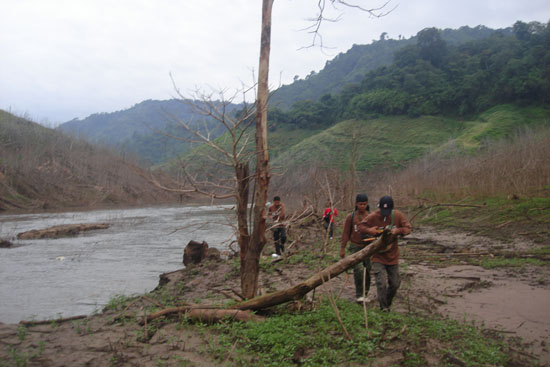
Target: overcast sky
(61,59)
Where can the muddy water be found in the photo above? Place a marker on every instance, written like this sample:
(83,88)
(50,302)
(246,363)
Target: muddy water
(48,278)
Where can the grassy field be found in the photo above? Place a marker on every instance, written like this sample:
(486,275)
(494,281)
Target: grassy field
(394,141)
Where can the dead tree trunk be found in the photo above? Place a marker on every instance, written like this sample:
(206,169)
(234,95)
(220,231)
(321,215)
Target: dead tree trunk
(243,179)
(300,290)
(249,277)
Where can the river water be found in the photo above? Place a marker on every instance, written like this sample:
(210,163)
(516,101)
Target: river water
(50,278)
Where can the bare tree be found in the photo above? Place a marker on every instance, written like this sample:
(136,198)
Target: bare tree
(252,244)
(249,280)
(230,152)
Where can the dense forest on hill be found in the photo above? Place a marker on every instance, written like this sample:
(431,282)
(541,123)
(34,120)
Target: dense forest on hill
(435,77)
(351,66)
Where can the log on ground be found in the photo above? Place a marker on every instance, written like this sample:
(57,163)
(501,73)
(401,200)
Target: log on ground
(300,290)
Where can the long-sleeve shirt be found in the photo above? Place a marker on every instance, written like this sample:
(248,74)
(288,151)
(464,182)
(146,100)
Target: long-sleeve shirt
(330,214)
(351,230)
(374,221)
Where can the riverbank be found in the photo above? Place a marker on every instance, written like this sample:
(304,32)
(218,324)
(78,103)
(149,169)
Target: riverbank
(439,315)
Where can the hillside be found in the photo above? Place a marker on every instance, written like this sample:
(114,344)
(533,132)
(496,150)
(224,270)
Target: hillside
(395,140)
(141,130)
(136,130)
(351,66)
(43,168)
(389,141)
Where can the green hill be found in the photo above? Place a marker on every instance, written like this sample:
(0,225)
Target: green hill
(389,141)
(394,140)
(351,66)
(142,129)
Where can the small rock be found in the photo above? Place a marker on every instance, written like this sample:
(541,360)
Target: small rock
(5,244)
(213,254)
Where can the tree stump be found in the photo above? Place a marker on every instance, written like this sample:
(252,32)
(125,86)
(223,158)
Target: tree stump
(194,252)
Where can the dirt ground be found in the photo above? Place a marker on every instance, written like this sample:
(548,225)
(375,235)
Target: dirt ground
(512,303)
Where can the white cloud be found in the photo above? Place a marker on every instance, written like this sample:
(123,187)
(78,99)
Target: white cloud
(70,58)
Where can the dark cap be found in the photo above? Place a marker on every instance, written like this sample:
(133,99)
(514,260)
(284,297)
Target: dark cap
(276,198)
(361,198)
(385,205)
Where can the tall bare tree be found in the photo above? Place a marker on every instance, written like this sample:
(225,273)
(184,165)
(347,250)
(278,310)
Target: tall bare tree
(252,244)
(249,279)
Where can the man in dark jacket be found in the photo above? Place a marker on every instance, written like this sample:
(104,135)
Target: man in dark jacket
(385,264)
(351,234)
(276,213)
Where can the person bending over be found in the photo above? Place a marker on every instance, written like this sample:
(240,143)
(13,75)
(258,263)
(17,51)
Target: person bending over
(385,264)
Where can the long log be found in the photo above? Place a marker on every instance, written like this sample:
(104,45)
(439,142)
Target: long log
(300,290)
(57,321)
(61,230)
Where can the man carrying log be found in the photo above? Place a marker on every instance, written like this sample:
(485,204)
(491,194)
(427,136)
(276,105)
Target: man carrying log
(385,264)
(276,213)
(351,233)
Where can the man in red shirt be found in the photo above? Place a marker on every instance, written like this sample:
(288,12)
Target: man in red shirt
(328,216)
(385,264)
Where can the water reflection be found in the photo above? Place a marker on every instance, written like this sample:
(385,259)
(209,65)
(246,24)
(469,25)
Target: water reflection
(71,276)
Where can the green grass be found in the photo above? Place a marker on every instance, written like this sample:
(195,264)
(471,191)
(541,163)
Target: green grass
(521,214)
(315,338)
(118,302)
(389,141)
(499,262)
(392,141)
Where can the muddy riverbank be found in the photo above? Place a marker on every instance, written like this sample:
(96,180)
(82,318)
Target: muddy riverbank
(508,303)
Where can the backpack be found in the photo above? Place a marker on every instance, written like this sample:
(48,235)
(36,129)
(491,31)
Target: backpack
(327,216)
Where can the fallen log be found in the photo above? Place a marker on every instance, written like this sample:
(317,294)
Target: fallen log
(60,231)
(300,290)
(57,321)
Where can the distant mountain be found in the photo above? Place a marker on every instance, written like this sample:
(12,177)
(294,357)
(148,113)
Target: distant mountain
(352,65)
(142,129)
(137,130)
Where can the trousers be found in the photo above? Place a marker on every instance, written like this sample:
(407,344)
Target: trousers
(387,283)
(279,237)
(358,272)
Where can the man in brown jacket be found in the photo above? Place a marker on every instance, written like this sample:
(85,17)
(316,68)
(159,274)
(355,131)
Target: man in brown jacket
(276,213)
(385,264)
(351,233)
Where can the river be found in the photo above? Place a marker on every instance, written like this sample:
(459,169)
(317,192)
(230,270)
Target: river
(50,278)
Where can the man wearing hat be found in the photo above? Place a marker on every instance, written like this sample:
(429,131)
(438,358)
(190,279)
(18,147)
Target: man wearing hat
(385,264)
(351,233)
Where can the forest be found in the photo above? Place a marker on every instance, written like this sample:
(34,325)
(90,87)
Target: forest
(435,77)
